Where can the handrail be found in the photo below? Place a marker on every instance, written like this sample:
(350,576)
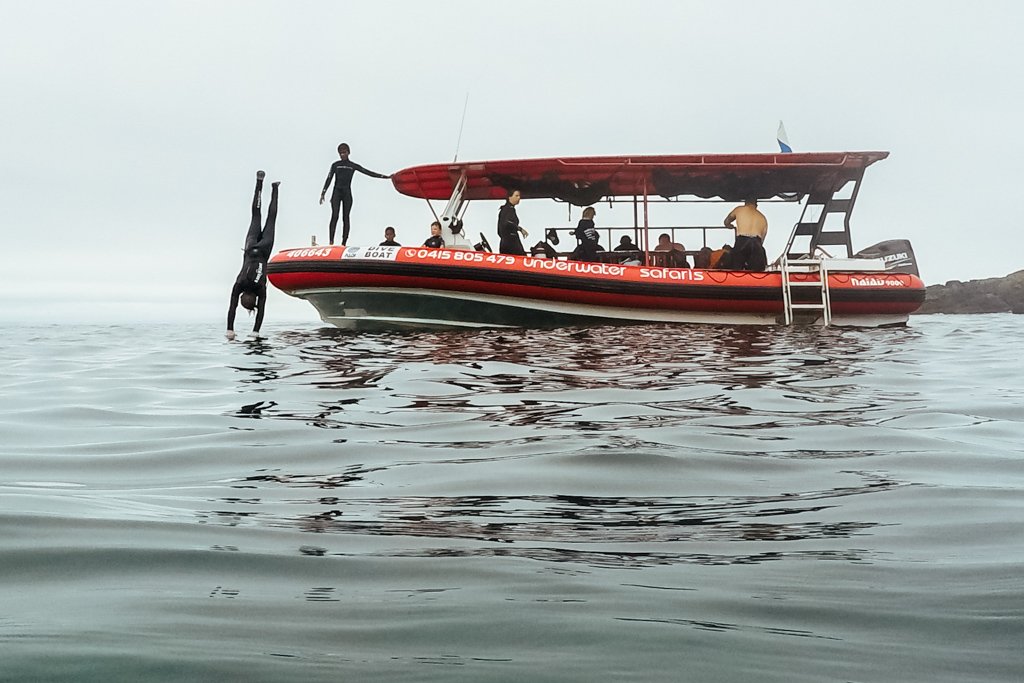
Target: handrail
(612,233)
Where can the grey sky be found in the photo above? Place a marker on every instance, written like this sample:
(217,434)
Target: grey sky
(131,131)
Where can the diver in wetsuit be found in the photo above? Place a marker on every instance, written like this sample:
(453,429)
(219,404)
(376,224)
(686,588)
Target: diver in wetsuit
(586,233)
(508,226)
(342,172)
(250,287)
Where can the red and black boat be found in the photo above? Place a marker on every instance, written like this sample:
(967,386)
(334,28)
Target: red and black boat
(400,287)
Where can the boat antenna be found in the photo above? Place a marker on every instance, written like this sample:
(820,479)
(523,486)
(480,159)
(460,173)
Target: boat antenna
(459,141)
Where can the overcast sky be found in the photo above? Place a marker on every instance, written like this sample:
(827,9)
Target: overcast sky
(131,131)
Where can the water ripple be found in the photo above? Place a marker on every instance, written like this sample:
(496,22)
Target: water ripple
(634,502)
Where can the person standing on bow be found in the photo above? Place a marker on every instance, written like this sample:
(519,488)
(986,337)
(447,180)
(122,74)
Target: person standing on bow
(509,229)
(250,288)
(341,172)
(751,227)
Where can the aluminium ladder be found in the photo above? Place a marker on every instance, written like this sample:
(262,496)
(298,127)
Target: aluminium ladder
(806,266)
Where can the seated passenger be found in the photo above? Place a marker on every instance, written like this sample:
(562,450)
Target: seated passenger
(626,244)
(587,234)
(720,258)
(676,252)
(389,238)
(435,241)
(702,259)
(665,243)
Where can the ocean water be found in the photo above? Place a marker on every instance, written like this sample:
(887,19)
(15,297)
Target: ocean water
(643,503)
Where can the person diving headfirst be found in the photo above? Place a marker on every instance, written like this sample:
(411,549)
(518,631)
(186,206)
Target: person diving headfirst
(250,288)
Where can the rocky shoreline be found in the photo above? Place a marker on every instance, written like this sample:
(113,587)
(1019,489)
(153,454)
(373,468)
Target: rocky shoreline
(991,295)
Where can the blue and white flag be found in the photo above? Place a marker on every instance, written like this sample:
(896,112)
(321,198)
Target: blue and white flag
(783,140)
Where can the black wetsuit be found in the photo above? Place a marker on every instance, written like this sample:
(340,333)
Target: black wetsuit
(508,231)
(342,171)
(748,254)
(389,243)
(434,242)
(252,277)
(588,246)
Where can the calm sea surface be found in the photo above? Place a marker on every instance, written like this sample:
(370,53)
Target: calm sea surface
(646,503)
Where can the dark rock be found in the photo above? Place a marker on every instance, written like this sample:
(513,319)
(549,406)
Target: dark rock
(991,295)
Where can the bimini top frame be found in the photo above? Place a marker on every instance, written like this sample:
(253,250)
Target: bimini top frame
(583,181)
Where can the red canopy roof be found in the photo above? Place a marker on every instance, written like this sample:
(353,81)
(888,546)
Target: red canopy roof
(585,180)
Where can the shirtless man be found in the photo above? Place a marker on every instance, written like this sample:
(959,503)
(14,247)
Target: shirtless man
(665,243)
(677,252)
(751,227)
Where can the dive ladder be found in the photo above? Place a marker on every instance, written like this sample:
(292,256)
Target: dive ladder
(809,267)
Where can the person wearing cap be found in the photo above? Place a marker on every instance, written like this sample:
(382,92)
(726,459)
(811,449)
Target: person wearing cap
(341,199)
(250,288)
(751,226)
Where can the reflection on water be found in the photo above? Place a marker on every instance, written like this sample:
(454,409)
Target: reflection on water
(568,519)
(619,393)
(255,409)
(716,626)
(571,504)
(529,377)
(642,357)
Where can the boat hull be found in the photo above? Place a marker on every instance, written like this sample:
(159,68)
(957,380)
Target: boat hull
(369,288)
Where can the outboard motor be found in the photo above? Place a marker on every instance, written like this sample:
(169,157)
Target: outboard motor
(897,255)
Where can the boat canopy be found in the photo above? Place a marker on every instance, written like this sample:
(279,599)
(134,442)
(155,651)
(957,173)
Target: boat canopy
(585,180)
